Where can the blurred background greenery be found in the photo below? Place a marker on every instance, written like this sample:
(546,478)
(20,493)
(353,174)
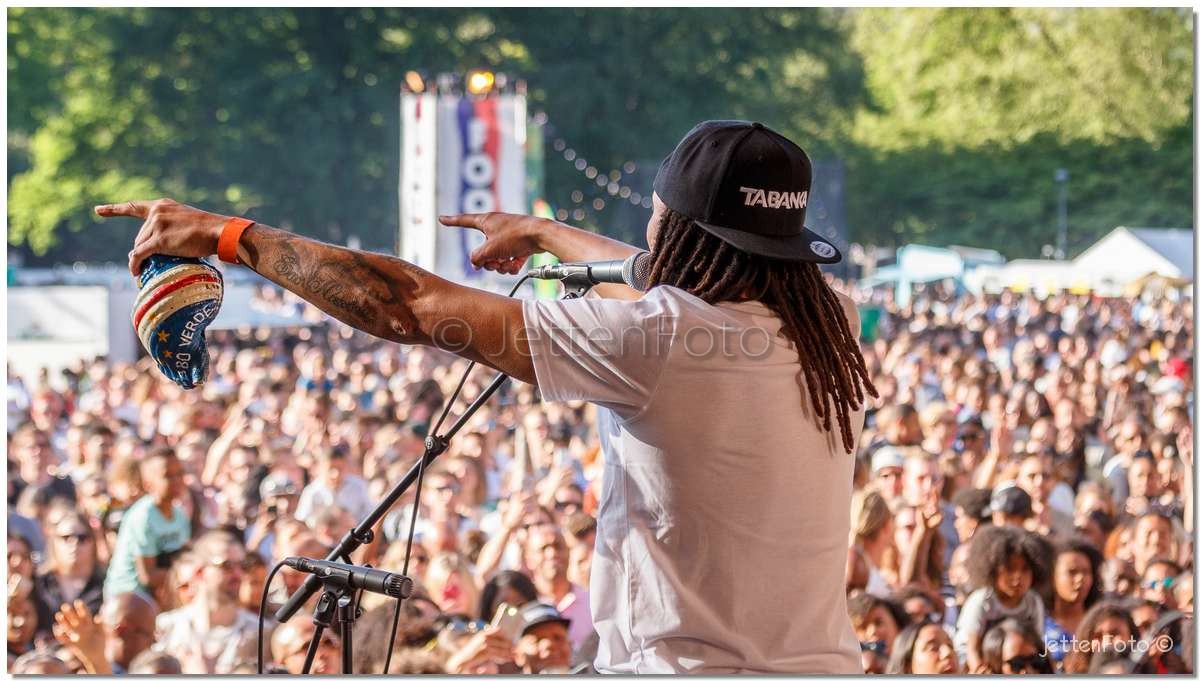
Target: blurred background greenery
(950,124)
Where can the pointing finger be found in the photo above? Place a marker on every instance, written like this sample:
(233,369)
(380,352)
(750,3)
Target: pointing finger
(472,220)
(131,209)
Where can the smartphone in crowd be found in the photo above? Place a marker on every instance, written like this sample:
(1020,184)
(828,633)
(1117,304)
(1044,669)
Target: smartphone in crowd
(508,620)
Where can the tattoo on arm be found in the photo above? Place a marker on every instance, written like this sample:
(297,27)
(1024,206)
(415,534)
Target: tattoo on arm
(368,291)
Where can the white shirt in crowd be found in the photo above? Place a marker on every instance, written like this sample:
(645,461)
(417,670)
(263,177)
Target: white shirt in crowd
(181,633)
(353,495)
(725,511)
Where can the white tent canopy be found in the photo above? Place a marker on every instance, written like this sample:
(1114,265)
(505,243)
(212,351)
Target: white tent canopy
(1110,266)
(1127,254)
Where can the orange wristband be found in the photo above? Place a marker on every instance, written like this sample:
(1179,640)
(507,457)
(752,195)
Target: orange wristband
(231,234)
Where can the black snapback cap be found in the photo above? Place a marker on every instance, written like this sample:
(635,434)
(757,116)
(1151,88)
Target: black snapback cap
(747,185)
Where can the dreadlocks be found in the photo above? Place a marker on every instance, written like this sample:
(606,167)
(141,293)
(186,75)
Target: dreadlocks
(691,259)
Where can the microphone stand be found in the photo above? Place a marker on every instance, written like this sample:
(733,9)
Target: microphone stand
(363,533)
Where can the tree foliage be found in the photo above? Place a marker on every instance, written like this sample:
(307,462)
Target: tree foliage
(973,111)
(951,122)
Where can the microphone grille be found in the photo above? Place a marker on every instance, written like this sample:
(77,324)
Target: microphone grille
(636,270)
(398,586)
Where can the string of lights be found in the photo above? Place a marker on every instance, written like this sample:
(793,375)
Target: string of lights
(603,190)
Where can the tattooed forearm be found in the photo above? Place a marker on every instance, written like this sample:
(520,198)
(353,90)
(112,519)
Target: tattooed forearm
(371,292)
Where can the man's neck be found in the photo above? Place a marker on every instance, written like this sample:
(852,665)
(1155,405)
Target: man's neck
(220,614)
(558,588)
(165,506)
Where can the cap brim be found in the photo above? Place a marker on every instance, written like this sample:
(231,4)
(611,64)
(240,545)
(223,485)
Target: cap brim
(807,246)
(565,621)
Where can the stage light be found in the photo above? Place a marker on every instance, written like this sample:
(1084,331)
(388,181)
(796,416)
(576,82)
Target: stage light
(480,82)
(414,81)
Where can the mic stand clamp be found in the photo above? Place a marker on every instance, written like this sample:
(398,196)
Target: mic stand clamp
(337,596)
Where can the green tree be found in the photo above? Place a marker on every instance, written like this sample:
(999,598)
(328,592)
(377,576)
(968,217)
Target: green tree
(290,115)
(972,111)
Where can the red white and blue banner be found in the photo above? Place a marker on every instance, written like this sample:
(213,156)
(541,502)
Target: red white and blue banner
(479,167)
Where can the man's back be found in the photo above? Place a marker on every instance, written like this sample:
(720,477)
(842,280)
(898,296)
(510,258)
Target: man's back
(724,518)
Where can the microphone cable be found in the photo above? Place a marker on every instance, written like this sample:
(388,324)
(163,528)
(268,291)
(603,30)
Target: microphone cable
(412,521)
(262,612)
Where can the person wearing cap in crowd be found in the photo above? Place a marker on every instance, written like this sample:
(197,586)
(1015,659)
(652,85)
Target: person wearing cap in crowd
(733,473)
(1010,506)
(543,646)
(887,472)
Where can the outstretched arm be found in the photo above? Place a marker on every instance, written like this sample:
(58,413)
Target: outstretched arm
(511,239)
(379,294)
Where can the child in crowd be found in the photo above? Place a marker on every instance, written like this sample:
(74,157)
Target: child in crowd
(1005,564)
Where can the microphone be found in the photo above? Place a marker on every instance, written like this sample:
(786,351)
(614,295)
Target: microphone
(633,271)
(355,576)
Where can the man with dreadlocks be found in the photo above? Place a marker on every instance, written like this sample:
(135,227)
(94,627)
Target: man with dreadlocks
(732,393)
(735,388)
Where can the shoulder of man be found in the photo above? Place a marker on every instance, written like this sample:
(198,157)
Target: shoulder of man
(169,621)
(138,511)
(851,310)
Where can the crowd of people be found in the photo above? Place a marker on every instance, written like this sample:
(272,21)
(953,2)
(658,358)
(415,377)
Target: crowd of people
(1022,499)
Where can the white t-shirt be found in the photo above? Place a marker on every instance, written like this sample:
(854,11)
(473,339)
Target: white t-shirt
(725,511)
(983,609)
(353,495)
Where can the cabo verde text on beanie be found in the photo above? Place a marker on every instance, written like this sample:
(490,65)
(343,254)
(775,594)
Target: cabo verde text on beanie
(177,300)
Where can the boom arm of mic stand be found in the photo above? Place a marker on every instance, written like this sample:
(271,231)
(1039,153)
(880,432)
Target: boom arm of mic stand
(363,532)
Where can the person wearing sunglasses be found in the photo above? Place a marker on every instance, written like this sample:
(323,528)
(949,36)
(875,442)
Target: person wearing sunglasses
(72,570)
(1158,582)
(1013,647)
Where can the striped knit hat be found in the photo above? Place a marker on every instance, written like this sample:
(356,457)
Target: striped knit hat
(178,299)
